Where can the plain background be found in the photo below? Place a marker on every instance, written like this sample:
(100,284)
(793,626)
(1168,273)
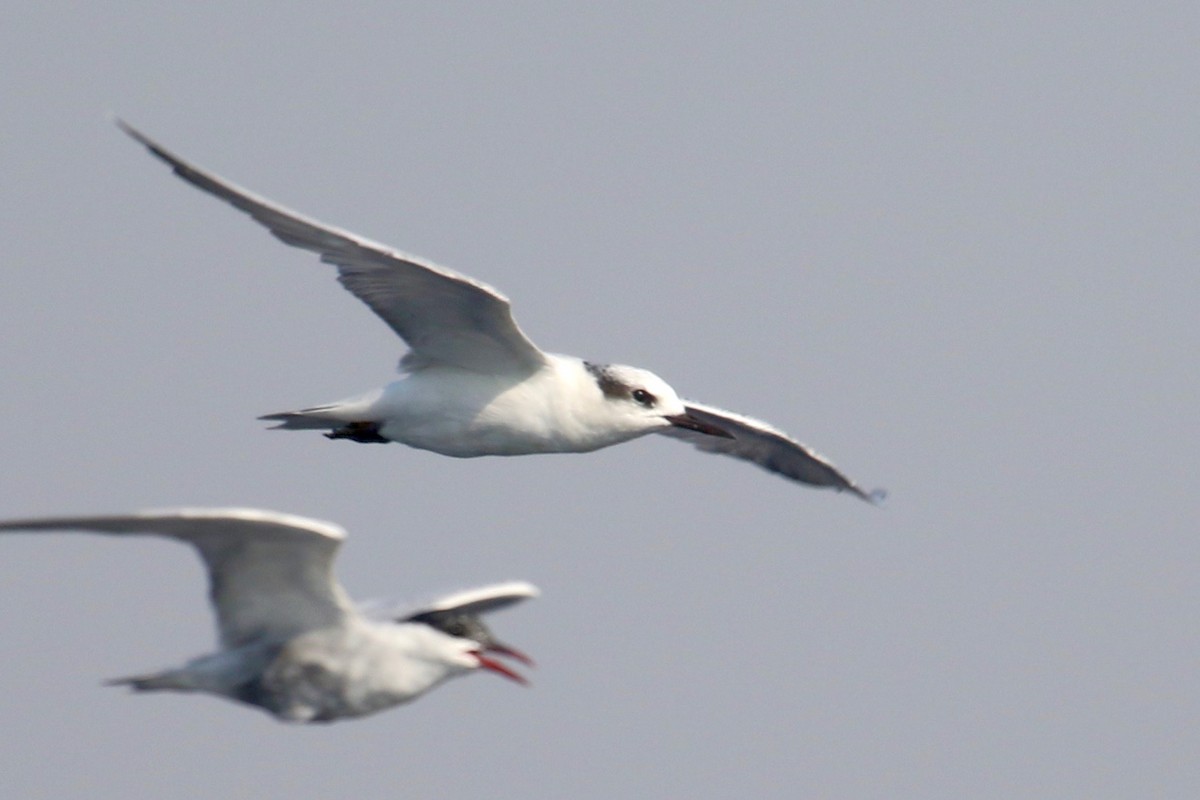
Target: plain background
(954,248)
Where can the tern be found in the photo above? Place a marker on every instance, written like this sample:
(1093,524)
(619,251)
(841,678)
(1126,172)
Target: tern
(474,384)
(292,643)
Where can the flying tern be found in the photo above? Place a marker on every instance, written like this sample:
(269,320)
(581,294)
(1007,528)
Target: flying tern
(291,641)
(474,384)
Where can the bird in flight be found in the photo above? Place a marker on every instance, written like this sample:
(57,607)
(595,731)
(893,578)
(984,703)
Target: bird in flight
(474,384)
(291,641)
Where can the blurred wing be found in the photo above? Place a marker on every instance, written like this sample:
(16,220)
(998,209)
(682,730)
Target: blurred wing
(445,318)
(482,600)
(772,449)
(468,601)
(270,574)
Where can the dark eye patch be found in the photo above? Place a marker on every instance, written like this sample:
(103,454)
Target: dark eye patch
(608,383)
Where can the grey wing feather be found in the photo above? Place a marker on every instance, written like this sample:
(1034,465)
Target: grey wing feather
(270,574)
(474,602)
(483,599)
(445,317)
(772,449)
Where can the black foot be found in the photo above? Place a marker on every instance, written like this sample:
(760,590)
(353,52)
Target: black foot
(365,432)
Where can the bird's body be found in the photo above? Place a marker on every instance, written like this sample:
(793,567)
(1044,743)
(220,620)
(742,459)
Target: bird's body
(474,384)
(292,643)
(556,409)
(352,669)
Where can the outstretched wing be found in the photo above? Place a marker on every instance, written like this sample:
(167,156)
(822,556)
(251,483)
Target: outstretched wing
(270,574)
(445,318)
(481,600)
(772,449)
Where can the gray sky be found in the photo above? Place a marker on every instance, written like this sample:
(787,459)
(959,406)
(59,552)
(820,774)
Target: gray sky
(955,250)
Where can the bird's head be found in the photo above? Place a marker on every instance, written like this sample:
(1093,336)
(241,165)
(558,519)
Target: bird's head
(466,643)
(642,402)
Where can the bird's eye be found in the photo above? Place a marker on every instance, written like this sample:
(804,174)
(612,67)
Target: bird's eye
(642,397)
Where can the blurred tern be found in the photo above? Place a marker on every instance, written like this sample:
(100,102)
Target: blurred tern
(291,641)
(475,384)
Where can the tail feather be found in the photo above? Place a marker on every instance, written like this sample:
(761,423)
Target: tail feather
(161,681)
(317,418)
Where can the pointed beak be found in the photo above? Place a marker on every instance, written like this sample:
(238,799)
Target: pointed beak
(511,652)
(498,667)
(692,424)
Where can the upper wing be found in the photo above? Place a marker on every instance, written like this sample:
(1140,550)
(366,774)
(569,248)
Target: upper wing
(446,318)
(481,600)
(770,448)
(468,601)
(270,574)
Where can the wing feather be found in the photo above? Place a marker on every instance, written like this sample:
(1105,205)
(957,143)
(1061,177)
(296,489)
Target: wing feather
(476,601)
(270,574)
(481,600)
(768,447)
(446,318)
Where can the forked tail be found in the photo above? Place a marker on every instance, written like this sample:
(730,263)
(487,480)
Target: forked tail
(316,418)
(170,680)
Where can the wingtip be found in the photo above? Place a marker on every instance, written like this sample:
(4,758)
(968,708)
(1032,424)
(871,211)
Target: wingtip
(154,147)
(126,128)
(525,589)
(876,496)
